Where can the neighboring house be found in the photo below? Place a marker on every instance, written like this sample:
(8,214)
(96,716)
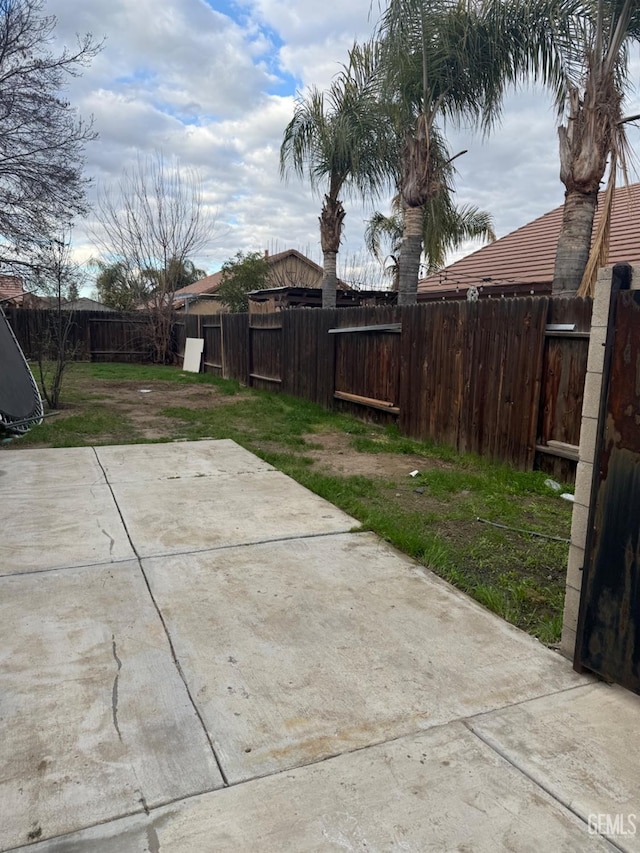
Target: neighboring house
(521,263)
(278,298)
(11,291)
(286,269)
(50,303)
(86,304)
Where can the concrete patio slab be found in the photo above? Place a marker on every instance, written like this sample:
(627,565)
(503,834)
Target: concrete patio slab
(444,790)
(55,525)
(32,470)
(339,642)
(96,721)
(198,513)
(138,463)
(256,625)
(577,745)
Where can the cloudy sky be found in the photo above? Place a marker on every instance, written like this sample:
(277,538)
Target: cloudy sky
(213,83)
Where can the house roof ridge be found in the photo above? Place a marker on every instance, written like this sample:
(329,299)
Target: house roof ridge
(528,253)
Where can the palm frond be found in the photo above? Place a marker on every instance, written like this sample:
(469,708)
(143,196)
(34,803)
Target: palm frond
(340,138)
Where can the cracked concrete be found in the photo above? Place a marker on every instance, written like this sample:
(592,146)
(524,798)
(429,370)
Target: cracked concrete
(114,690)
(237,670)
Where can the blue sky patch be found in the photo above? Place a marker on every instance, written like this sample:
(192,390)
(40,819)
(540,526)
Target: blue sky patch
(138,76)
(233,10)
(284,83)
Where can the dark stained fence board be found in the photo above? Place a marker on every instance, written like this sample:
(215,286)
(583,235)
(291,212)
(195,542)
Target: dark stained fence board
(325,363)
(179,338)
(366,350)
(307,354)
(368,365)
(32,327)
(470,375)
(265,348)
(124,339)
(413,403)
(564,367)
(235,347)
(211,332)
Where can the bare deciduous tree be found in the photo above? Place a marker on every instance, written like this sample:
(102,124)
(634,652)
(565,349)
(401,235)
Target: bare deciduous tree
(57,276)
(150,224)
(41,137)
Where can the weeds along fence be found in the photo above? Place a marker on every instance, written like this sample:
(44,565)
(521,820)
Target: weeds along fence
(500,377)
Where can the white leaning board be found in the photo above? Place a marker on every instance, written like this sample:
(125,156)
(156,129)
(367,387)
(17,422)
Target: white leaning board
(193,354)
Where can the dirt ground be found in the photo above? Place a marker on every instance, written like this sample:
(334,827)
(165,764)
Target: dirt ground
(142,404)
(336,455)
(331,451)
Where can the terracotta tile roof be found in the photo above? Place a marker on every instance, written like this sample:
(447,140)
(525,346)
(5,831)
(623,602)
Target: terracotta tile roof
(527,256)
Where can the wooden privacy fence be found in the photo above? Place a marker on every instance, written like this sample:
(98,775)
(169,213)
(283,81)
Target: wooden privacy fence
(120,338)
(199,326)
(503,378)
(93,335)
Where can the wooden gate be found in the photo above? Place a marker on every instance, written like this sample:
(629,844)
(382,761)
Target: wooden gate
(608,637)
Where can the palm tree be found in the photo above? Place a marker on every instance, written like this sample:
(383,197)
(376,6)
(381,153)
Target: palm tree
(178,273)
(451,62)
(593,135)
(444,228)
(334,139)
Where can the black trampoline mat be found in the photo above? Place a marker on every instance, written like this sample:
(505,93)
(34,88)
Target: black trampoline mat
(19,399)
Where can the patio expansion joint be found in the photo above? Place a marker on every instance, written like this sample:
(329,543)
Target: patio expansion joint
(533,778)
(406,735)
(592,680)
(168,636)
(296,537)
(66,568)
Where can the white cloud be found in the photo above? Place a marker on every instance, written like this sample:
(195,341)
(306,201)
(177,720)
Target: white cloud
(214,87)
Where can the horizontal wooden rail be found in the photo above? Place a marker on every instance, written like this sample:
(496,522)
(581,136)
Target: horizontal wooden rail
(120,320)
(117,352)
(367,401)
(559,448)
(265,378)
(567,335)
(384,327)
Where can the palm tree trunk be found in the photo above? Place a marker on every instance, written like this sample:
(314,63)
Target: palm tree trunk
(410,252)
(330,279)
(574,241)
(331,219)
